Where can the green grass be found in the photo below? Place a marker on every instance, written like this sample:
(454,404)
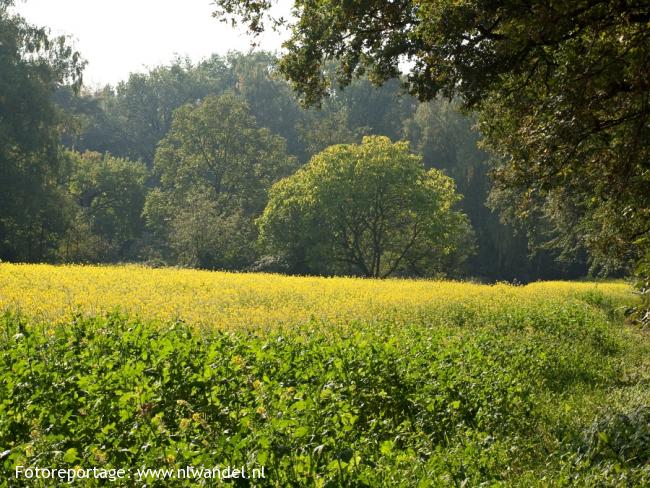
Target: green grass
(526,397)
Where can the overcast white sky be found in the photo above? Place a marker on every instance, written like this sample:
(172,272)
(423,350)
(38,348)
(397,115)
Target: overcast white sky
(118,37)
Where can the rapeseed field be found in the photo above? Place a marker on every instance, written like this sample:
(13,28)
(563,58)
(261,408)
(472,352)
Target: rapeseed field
(232,301)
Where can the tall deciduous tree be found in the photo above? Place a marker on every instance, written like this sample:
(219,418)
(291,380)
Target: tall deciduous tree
(32,66)
(216,162)
(369,209)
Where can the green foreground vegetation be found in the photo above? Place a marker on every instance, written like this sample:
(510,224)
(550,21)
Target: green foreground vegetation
(554,395)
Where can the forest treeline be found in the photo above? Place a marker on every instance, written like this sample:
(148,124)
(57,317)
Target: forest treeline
(95,175)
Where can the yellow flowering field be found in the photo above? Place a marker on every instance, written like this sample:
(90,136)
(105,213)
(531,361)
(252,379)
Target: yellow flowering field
(322,381)
(236,300)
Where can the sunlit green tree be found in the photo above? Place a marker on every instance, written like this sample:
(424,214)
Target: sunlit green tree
(369,209)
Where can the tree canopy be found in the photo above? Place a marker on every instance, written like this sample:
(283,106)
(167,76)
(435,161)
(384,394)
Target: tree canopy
(107,196)
(32,66)
(215,167)
(369,209)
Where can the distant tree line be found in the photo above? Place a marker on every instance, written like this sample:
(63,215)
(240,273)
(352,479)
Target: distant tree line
(177,165)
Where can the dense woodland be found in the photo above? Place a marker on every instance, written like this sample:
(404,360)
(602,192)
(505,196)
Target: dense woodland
(118,174)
